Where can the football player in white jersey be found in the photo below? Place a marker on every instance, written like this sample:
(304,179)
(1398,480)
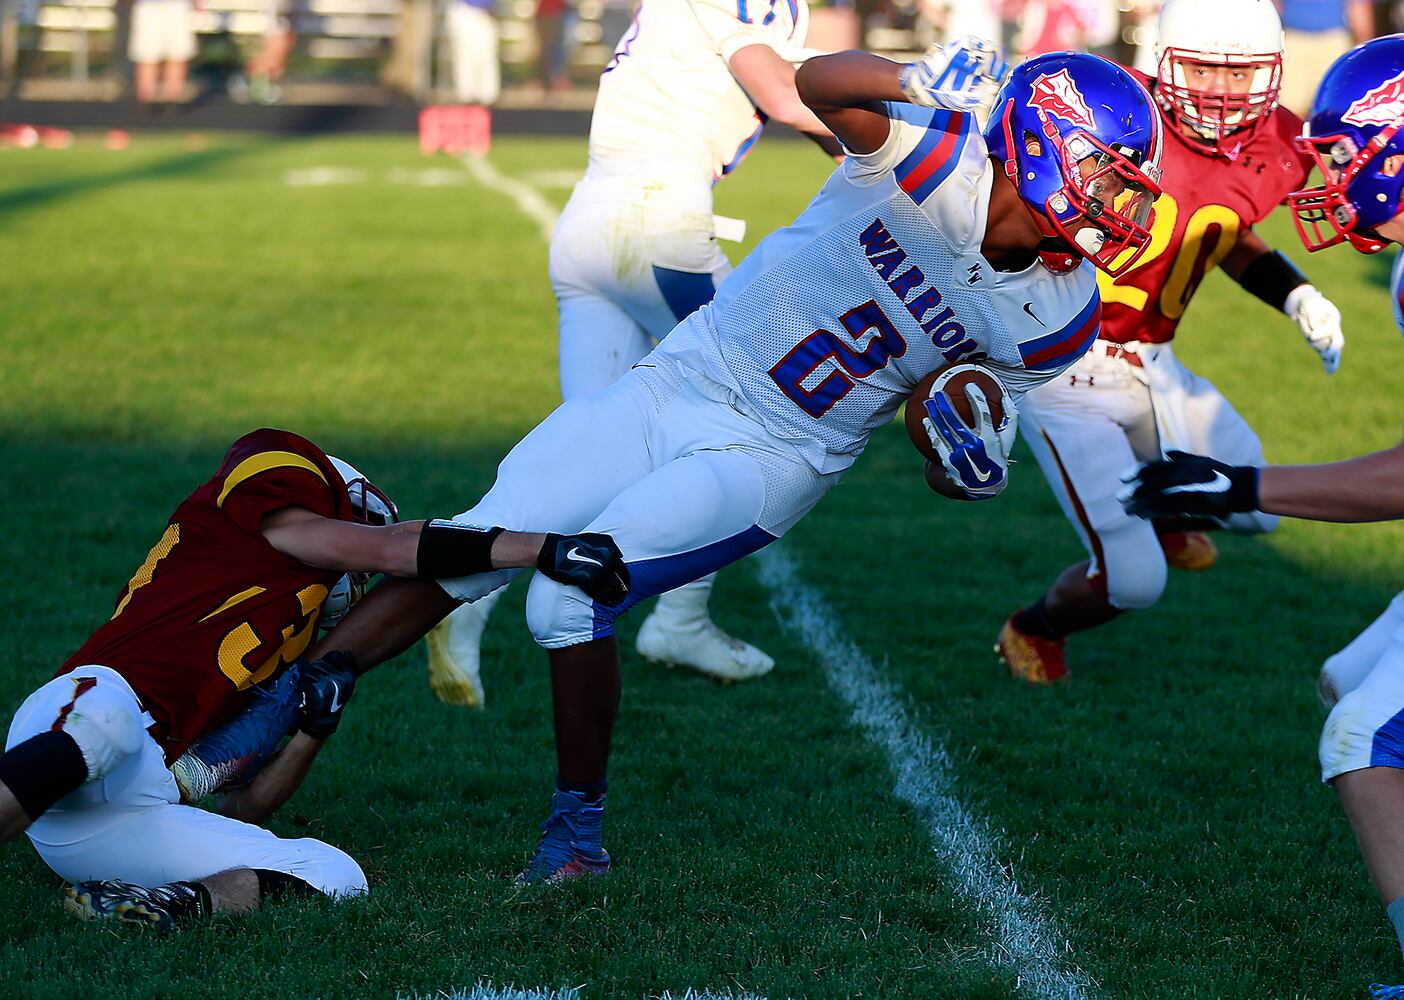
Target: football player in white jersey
(934,244)
(1356,134)
(691,86)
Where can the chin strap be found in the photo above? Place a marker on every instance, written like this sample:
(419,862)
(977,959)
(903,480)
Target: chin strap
(1056,255)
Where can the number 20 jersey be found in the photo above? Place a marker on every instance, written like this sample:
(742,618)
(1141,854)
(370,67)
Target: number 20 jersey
(826,327)
(1207,202)
(215,609)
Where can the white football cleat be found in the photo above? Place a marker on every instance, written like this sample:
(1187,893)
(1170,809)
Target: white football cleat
(455,659)
(680,632)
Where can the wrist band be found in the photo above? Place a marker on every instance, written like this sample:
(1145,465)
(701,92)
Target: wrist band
(449,549)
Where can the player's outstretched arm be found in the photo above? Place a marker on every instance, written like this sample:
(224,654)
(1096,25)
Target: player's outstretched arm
(1270,276)
(440,549)
(1367,488)
(275,784)
(770,82)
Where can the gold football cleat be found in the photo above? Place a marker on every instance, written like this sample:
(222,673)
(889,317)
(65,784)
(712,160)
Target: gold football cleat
(1031,657)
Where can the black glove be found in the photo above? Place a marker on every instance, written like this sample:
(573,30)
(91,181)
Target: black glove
(326,685)
(1192,485)
(590,561)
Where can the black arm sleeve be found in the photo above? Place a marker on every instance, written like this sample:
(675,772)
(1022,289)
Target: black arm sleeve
(1271,277)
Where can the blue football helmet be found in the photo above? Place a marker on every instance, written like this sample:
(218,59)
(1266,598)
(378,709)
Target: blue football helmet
(1081,140)
(1354,135)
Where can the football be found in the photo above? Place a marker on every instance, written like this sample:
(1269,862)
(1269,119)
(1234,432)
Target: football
(954,390)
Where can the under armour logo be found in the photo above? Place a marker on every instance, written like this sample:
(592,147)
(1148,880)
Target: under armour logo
(975,274)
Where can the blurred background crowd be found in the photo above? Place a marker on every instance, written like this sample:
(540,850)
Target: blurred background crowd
(524,53)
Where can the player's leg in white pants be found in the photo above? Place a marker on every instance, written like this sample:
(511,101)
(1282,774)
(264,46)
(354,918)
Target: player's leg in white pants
(1362,755)
(660,262)
(684,482)
(1217,429)
(129,824)
(1085,434)
(1343,671)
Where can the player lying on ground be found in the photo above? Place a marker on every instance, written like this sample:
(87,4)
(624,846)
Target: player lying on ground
(1229,161)
(1356,130)
(923,250)
(200,657)
(685,98)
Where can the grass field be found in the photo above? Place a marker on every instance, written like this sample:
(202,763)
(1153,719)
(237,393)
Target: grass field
(1160,817)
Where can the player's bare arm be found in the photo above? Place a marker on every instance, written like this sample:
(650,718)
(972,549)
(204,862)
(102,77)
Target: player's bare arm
(845,91)
(437,549)
(770,82)
(275,784)
(1366,488)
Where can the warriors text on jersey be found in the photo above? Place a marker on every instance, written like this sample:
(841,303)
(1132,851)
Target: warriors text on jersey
(667,100)
(1207,202)
(827,325)
(215,609)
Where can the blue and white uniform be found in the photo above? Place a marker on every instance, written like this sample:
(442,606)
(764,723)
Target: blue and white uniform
(636,248)
(1364,683)
(750,410)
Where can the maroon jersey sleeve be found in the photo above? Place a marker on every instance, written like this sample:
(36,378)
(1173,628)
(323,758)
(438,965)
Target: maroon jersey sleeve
(214,609)
(268,470)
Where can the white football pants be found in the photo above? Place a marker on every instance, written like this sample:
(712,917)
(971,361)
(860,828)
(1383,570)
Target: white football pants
(1364,684)
(630,258)
(131,825)
(1093,423)
(668,463)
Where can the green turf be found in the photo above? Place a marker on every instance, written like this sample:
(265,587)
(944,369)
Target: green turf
(1163,808)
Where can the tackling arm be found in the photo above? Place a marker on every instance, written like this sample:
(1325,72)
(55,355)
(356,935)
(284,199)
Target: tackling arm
(275,784)
(1367,488)
(443,549)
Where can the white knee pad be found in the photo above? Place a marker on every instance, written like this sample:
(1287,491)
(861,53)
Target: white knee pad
(106,724)
(1134,567)
(559,616)
(1347,739)
(329,869)
(1341,674)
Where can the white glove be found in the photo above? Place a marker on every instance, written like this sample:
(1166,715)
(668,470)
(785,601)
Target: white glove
(975,458)
(961,75)
(1320,322)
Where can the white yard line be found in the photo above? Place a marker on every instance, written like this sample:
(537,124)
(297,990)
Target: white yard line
(1028,940)
(486,991)
(527,198)
(925,780)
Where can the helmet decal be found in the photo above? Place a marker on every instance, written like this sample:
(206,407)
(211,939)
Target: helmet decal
(1057,94)
(1382,106)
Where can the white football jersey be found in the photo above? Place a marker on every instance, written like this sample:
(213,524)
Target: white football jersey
(1396,290)
(667,100)
(829,324)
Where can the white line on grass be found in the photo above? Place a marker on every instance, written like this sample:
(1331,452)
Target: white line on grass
(1027,939)
(486,991)
(528,199)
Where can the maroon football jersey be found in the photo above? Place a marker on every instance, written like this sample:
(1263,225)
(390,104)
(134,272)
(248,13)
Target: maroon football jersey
(215,609)
(1207,202)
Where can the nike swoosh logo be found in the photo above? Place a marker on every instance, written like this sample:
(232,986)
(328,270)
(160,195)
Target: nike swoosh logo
(336,698)
(1028,308)
(574,556)
(1219,484)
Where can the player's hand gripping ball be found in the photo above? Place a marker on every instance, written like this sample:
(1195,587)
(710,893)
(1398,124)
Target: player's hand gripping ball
(962,418)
